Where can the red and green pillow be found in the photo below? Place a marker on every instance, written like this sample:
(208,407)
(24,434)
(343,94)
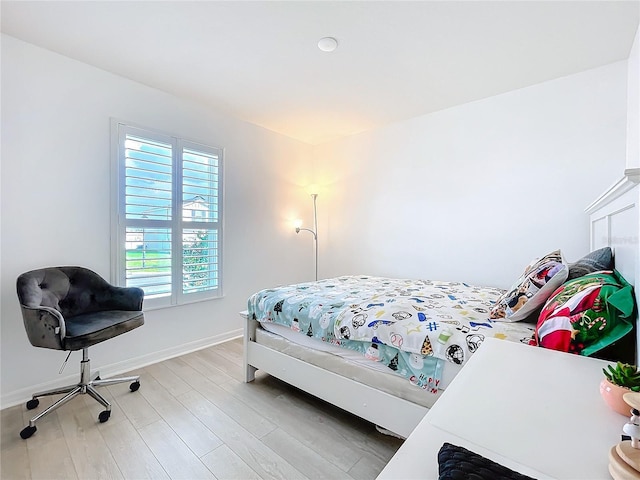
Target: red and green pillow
(587,314)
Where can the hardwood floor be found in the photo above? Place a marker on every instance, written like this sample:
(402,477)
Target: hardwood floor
(194,418)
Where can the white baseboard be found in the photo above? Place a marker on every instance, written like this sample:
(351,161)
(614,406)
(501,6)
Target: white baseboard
(9,399)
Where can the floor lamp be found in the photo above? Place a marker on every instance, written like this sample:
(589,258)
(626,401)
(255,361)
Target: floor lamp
(313,232)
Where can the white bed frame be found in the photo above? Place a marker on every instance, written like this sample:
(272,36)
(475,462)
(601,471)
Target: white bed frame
(393,413)
(615,220)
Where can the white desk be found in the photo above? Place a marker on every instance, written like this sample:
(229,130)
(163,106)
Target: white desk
(533,410)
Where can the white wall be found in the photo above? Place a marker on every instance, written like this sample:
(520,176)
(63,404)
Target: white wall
(474,192)
(633,105)
(56,206)
(469,193)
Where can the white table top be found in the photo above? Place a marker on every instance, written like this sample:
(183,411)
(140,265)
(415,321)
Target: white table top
(533,410)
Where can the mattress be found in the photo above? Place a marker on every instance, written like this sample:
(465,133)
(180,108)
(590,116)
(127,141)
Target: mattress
(348,363)
(416,328)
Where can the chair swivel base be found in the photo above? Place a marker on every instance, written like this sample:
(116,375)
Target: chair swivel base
(87,385)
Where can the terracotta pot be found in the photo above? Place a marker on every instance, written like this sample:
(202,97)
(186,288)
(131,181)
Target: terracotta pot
(612,394)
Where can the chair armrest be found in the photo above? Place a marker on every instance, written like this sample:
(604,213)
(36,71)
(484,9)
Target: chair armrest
(124,298)
(45,326)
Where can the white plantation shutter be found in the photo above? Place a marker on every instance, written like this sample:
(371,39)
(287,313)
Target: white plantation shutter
(167,227)
(148,260)
(148,178)
(200,186)
(200,260)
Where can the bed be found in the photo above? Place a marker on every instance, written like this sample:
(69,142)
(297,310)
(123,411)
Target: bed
(387,348)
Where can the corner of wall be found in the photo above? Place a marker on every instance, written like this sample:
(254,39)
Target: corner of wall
(633,104)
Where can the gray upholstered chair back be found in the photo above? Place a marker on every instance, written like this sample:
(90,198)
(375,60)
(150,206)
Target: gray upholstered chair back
(48,296)
(72,291)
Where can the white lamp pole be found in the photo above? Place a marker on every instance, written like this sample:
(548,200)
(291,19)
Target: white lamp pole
(313,232)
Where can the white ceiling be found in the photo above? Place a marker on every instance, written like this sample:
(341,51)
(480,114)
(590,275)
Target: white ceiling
(259,61)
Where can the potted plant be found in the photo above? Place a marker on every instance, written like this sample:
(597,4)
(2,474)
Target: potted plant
(619,379)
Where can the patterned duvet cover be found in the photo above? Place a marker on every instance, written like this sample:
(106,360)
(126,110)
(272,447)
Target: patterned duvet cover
(411,326)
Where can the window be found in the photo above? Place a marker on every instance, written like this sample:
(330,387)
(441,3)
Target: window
(168,219)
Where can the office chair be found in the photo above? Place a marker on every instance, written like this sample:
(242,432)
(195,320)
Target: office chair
(72,308)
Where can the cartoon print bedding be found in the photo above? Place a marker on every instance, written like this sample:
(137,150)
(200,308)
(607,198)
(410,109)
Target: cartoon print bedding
(411,326)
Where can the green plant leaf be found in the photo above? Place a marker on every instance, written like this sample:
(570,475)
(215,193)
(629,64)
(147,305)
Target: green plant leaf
(623,374)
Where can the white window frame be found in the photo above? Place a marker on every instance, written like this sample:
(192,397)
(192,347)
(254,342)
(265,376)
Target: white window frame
(119,222)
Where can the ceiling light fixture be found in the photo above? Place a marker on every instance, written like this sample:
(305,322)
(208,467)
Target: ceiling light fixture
(328,44)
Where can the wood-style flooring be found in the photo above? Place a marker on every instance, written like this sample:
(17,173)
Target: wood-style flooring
(194,418)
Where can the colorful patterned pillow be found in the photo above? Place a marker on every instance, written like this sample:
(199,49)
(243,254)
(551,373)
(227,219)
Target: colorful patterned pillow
(587,314)
(535,285)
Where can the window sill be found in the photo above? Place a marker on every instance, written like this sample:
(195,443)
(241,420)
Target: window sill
(190,302)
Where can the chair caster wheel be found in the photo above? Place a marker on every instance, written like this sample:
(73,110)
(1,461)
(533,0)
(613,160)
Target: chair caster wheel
(104,416)
(134,386)
(27,432)
(33,403)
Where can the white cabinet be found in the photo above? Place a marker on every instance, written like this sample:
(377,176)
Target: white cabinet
(533,410)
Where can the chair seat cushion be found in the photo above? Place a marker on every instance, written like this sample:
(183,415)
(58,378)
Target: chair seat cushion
(91,328)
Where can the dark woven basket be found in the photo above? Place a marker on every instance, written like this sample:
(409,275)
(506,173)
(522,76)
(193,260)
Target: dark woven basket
(458,463)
